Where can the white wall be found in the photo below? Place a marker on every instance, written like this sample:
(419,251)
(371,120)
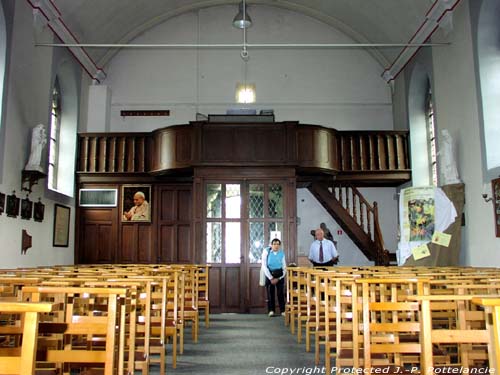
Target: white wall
(29,80)
(336,88)
(453,75)
(312,213)
(457,110)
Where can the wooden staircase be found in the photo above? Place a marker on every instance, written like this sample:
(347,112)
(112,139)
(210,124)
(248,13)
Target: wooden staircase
(356,216)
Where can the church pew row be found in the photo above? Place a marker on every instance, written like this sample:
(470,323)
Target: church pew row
(328,304)
(163,298)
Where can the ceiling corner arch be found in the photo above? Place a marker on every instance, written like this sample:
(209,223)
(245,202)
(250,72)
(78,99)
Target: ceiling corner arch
(288,5)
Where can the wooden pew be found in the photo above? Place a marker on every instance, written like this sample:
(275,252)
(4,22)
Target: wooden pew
(465,334)
(492,306)
(92,331)
(22,318)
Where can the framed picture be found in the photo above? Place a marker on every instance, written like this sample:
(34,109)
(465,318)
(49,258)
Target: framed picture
(136,203)
(495,186)
(38,211)
(26,209)
(2,203)
(61,226)
(12,208)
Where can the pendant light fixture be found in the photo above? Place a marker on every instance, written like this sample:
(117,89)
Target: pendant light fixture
(242,20)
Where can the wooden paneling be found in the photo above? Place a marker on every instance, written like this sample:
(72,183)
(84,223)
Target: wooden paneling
(183,248)
(310,148)
(175,223)
(232,289)
(96,235)
(112,152)
(144,245)
(257,294)
(215,289)
(128,243)
(167,241)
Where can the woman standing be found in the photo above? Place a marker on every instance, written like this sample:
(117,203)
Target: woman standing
(274,267)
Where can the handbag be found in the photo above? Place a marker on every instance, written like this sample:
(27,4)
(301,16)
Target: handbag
(262,280)
(276,273)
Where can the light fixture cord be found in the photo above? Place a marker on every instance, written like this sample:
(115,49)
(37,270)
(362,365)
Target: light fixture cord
(244,52)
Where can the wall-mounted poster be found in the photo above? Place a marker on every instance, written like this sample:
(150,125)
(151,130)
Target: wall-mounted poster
(38,211)
(26,209)
(12,208)
(495,185)
(136,203)
(61,226)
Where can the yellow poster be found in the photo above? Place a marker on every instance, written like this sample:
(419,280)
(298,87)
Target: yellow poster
(421,252)
(441,238)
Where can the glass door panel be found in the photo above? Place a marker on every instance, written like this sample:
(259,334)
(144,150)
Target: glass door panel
(214,201)
(214,243)
(233,201)
(233,242)
(257,242)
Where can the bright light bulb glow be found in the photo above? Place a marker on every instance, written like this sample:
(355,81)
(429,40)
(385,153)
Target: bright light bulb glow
(245,93)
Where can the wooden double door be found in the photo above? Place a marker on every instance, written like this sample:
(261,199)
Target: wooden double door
(240,218)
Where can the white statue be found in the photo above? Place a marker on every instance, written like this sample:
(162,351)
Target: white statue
(447,159)
(38,142)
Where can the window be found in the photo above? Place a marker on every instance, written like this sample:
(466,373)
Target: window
(3,57)
(431,139)
(55,129)
(489,75)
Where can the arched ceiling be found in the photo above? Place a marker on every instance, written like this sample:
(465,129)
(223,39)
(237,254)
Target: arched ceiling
(366,21)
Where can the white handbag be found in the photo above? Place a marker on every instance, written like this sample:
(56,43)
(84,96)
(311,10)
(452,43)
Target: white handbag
(262,281)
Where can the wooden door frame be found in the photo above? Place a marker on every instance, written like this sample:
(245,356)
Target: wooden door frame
(244,176)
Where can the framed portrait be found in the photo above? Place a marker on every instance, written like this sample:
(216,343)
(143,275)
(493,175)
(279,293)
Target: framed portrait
(61,226)
(12,207)
(38,211)
(495,186)
(2,203)
(136,203)
(26,209)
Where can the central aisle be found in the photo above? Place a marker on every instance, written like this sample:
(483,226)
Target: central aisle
(243,344)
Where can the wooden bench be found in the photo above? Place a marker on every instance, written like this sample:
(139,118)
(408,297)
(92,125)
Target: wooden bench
(91,330)
(20,324)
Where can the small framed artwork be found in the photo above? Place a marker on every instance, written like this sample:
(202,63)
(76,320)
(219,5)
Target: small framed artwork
(136,203)
(495,185)
(61,226)
(12,208)
(38,211)
(26,209)
(2,203)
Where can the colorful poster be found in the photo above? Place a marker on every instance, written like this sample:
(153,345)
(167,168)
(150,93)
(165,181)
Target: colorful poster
(418,214)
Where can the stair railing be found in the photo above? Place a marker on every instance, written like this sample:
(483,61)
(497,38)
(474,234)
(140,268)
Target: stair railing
(365,215)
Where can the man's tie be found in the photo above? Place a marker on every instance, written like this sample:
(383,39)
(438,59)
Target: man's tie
(321,251)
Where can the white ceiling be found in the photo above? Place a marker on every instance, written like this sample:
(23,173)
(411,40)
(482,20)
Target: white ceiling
(119,21)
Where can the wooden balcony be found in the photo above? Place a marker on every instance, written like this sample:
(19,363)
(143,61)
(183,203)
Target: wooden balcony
(361,157)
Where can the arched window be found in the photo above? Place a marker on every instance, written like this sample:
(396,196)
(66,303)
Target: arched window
(55,129)
(63,128)
(488,51)
(431,138)
(3,57)
(422,124)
